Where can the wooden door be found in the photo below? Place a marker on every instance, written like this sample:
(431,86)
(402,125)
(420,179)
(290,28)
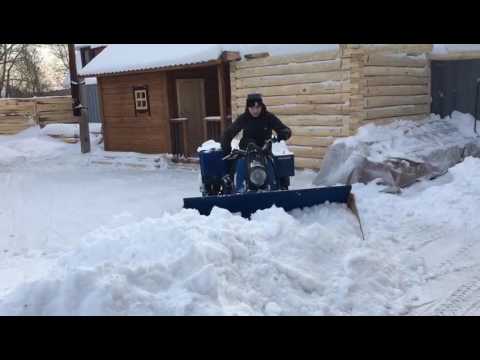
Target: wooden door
(191,105)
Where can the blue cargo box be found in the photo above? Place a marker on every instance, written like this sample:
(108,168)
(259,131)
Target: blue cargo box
(211,163)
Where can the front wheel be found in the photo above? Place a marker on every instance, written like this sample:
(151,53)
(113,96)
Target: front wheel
(210,189)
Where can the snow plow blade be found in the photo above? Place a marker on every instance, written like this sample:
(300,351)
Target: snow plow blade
(248,203)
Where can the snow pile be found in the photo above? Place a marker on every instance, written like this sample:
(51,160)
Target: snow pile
(152,257)
(412,139)
(9,156)
(28,144)
(439,142)
(209,146)
(69,130)
(309,262)
(437,221)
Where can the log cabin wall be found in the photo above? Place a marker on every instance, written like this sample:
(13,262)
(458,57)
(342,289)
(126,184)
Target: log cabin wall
(326,95)
(388,83)
(308,92)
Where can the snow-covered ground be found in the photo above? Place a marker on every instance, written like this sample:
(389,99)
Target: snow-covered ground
(87,234)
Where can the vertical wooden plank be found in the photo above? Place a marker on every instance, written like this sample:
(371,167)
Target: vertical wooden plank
(221,94)
(184,125)
(35,112)
(168,137)
(233,90)
(102,114)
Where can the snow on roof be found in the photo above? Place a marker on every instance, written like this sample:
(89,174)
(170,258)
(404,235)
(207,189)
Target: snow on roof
(93,46)
(452,48)
(129,57)
(279,49)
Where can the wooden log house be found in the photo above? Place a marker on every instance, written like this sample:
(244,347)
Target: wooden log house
(321,95)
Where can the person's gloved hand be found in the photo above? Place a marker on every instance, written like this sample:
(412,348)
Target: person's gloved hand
(226,149)
(284,134)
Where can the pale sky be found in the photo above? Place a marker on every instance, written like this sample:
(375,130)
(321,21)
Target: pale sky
(50,63)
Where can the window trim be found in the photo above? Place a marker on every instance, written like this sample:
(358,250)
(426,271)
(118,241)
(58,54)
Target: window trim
(141,111)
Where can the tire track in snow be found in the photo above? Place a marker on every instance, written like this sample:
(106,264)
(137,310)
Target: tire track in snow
(464,300)
(459,257)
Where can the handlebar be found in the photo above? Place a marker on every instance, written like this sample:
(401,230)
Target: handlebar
(236,153)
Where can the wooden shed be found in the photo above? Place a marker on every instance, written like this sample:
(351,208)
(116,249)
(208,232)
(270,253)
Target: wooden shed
(321,93)
(169,104)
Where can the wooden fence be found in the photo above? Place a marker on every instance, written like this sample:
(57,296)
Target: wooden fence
(19,114)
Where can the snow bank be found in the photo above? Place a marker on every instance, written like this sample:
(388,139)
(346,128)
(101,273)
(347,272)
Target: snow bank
(36,144)
(437,223)
(438,142)
(9,156)
(69,130)
(28,144)
(309,262)
(408,138)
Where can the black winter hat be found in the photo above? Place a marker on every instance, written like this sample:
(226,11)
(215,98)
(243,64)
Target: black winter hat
(254,98)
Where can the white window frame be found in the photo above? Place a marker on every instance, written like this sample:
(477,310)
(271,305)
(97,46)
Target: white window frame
(141,100)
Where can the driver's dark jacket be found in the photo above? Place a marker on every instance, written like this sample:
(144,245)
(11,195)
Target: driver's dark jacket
(257,130)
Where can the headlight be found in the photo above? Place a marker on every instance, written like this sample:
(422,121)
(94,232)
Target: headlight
(258,176)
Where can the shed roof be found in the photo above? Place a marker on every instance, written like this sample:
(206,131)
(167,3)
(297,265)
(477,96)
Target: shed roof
(119,58)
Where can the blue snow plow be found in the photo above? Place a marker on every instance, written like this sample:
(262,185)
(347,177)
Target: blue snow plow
(262,181)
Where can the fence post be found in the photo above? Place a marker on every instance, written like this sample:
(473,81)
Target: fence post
(35,113)
(185,138)
(84,132)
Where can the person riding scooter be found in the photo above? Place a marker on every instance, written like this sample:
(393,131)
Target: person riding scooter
(257,124)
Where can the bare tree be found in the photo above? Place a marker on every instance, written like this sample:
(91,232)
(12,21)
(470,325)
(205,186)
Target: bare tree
(10,56)
(60,51)
(20,70)
(30,71)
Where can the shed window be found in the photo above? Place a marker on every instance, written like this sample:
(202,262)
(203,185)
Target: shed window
(141,99)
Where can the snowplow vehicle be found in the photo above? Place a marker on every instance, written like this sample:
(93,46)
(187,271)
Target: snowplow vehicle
(262,180)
